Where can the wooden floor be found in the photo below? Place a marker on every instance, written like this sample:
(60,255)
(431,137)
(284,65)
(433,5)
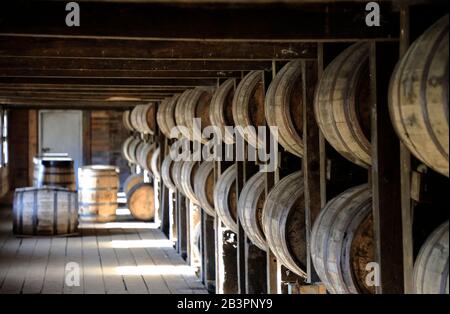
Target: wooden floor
(119,257)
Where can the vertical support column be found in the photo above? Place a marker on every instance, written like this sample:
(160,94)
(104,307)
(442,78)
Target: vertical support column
(208,249)
(322,142)
(405,175)
(164,195)
(273,268)
(386,189)
(241,238)
(182,225)
(311,159)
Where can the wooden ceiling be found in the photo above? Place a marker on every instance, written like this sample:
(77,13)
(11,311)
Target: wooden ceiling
(131,52)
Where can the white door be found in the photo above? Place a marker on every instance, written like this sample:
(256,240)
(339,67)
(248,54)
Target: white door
(60,131)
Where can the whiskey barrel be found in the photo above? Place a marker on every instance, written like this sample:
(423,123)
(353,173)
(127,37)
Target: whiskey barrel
(155,165)
(250,208)
(135,116)
(204,186)
(133,150)
(225,198)
(131,181)
(342,242)
(166,115)
(176,175)
(342,104)
(284,222)
(54,171)
(141,201)
(148,118)
(221,112)
(98,187)
(45,211)
(284,107)
(166,172)
(418,97)
(248,107)
(145,155)
(126,121)
(431,266)
(125,145)
(161,117)
(188,172)
(180,114)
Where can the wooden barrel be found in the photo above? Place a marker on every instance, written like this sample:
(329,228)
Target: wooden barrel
(221,112)
(176,175)
(155,165)
(180,113)
(98,187)
(248,107)
(342,242)
(204,186)
(250,209)
(147,118)
(166,172)
(141,201)
(225,198)
(193,104)
(126,121)
(431,266)
(145,155)
(284,107)
(131,181)
(188,172)
(135,117)
(133,150)
(418,97)
(125,146)
(342,104)
(284,222)
(54,171)
(45,211)
(170,115)
(160,117)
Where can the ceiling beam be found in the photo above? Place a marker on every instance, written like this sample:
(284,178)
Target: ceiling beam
(47,63)
(281,22)
(82,73)
(185,82)
(73,47)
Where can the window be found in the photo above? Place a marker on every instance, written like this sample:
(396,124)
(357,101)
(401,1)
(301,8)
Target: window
(3,138)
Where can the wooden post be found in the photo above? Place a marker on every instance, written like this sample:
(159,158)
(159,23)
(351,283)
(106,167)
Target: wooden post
(273,268)
(182,225)
(208,248)
(311,159)
(322,142)
(164,195)
(386,190)
(405,176)
(241,238)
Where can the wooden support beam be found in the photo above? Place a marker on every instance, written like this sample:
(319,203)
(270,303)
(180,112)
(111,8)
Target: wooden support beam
(116,74)
(90,88)
(149,81)
(311,160)
(164,195)
(241,238)
(182,225)
(65,104)
(47,63)
(275,22)
(208,248)
(150,49)
(405,176)
(386,189)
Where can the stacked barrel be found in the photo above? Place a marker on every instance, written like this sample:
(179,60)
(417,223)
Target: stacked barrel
(142,150)
(342,239)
